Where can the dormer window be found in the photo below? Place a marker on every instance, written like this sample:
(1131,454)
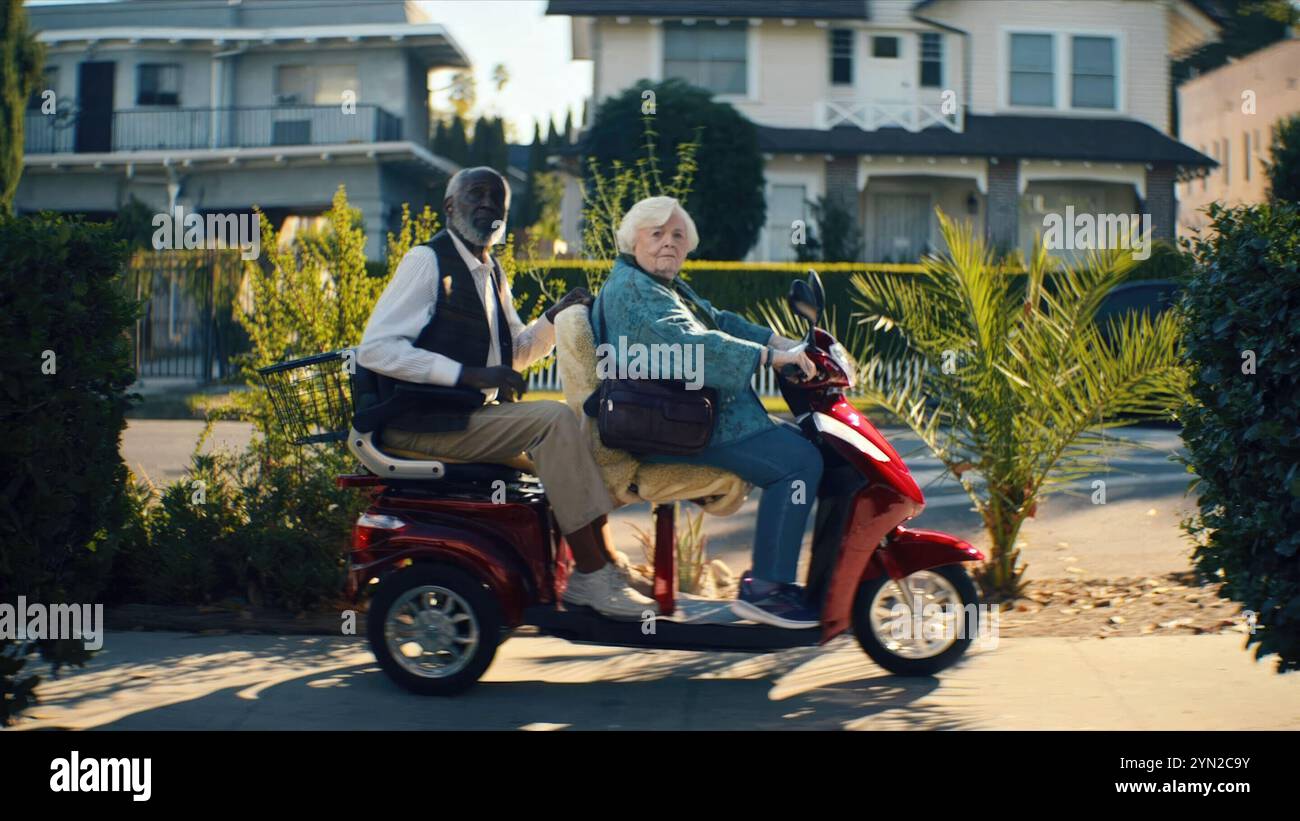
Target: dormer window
(158,84)
(707,55)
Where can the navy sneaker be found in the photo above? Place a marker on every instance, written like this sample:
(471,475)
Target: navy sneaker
(782,606)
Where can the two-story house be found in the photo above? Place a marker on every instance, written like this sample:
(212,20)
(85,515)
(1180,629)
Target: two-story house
(219,105)
(997,111)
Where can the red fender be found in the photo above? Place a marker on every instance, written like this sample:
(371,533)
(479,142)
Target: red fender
(908,551)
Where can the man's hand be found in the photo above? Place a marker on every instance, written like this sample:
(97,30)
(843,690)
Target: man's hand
(578,296)
(502,378)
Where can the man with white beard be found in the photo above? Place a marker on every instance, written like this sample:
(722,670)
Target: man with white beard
(447,318)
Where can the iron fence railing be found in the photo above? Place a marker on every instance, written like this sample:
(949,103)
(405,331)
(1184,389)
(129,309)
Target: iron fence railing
(196,128)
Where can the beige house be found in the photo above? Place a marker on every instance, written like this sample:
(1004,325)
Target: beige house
(1229,114)
(998,111)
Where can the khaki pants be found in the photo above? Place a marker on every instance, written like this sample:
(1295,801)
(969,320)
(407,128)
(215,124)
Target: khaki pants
(544,429)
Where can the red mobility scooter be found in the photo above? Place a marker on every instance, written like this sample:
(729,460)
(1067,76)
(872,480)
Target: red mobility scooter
(457,555)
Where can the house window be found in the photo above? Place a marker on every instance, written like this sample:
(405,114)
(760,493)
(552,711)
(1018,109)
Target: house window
(709,56)
(49,82)
(158,84)
(313,85)
(1032,76)
(332,81)
(292,85)
(1093,76)
(931,59)
(841,57)
(884,46)
(1245,155)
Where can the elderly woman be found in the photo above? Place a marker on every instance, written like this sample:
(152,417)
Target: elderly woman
(645,302)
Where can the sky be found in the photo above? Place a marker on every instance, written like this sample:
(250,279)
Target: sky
(535,50)
(533,47)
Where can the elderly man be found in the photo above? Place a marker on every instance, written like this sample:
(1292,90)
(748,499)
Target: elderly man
(447,318)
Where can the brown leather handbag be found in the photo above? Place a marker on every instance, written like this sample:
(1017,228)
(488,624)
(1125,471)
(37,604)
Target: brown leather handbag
(648,416)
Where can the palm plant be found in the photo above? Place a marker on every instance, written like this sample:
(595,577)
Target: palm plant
(1006,376)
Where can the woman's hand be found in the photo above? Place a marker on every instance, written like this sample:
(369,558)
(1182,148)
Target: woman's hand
(781,343)
(794,356)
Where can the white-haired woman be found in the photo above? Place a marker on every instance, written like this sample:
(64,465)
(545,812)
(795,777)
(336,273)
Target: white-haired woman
(645,303)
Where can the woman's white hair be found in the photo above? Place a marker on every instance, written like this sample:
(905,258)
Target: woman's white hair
(653,211)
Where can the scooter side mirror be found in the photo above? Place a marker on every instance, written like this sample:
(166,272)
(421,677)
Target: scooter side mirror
(818,291)
(803,301)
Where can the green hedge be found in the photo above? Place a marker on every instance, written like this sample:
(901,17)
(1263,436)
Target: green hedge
(1242,429)
(64,504)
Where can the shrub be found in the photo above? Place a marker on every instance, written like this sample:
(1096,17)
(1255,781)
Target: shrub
(1242,425)
(726,199)
(65,367)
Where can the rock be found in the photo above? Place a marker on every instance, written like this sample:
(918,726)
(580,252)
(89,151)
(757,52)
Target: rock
(1102,603)
(1168,625)
(1148,628)
(1069,611)
(1116,620)
(1074,569)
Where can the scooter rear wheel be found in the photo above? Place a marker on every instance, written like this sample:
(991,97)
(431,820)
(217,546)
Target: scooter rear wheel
(904,645)
(434,629)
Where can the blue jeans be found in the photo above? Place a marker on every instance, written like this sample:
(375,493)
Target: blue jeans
(774,460)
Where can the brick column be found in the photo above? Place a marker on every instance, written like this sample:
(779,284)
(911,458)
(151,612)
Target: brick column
(842,185)
(1002,222)
(1160,203)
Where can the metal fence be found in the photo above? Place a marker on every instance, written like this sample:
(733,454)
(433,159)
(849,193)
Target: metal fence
(193,128)
(187,328)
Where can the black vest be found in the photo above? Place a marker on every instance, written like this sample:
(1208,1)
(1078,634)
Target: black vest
(458,329)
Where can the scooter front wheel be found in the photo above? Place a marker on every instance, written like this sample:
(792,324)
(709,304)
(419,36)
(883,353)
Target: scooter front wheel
(434,629)
(920,624)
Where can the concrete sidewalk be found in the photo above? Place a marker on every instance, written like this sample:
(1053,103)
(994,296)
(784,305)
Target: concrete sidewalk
(177,681)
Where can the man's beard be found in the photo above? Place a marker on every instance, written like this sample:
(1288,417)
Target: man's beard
(469,231)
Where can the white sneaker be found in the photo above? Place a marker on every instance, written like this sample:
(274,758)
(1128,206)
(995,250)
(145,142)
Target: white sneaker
(607,592)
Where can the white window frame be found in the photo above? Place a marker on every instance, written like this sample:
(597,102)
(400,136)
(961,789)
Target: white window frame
(943,59)
(1062,71)
(752,57)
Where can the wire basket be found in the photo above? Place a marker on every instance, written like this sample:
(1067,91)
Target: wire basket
(312,397)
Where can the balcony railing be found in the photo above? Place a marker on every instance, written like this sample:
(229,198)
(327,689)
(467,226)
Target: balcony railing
(196,128)
(870,116)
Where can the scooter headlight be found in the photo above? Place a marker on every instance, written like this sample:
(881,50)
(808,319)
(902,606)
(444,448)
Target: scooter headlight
(842,358)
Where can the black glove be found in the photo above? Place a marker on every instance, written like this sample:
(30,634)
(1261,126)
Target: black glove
(500,377)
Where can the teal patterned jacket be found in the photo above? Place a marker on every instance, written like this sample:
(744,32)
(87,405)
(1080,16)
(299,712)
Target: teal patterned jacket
(646,310)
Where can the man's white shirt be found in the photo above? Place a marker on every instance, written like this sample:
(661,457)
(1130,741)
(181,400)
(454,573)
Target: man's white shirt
(407,305)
